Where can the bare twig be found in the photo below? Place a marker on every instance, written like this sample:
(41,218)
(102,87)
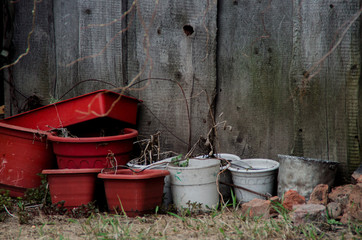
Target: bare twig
(315,69)
(35,2)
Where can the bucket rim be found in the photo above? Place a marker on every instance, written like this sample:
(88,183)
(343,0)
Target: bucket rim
(282,156)
(242,170)
(211,163)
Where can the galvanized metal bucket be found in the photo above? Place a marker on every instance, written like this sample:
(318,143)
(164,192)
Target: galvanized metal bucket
(304,174)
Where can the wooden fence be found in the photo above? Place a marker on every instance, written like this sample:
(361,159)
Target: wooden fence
(271,76)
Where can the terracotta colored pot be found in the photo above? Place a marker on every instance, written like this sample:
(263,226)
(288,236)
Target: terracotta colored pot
(24,153)
(91,152)
(135,193)
(74,186)
(101,103)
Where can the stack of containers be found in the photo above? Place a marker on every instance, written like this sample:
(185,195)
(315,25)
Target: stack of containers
(29,144)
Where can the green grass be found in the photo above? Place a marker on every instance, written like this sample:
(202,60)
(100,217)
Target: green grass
(226,221)
(228,224)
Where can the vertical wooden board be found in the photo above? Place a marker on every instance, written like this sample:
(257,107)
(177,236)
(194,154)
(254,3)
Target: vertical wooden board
(182,47)
(66,25)
(254,54)
(92,38)
(309,45)
(33,74)
(328,105)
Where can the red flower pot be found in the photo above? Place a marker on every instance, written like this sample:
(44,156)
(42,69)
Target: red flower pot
(98,104)
(24,153)
(74,186)
(135,193)
(91,152)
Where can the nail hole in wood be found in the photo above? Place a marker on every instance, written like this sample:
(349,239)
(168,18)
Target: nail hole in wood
(188,30)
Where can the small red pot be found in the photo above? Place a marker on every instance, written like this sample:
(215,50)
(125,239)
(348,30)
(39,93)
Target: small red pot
(135,193)
(92,152)
(74,186)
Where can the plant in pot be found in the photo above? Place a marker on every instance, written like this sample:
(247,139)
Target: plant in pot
(196,179)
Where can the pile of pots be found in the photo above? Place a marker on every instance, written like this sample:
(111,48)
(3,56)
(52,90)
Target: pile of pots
(42,141)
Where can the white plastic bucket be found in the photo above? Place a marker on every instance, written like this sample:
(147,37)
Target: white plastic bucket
(259,178)
(225,175)
(195,183)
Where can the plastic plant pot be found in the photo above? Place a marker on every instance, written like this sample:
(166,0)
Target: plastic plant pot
(195,183)
(98,104)
(24,153)
(92,152)
(256,174)
(134,193)
(74,186)
(167,195)
(225,175)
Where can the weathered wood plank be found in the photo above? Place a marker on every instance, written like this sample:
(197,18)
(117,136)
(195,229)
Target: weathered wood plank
(89,45)
(34,72)
(255,42)
(328,108)
(177,53)
(66,25)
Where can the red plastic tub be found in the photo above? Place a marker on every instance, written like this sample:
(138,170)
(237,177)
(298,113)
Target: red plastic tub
(98,104)
(74,186)
(24,153)
(135,193)
(92,152)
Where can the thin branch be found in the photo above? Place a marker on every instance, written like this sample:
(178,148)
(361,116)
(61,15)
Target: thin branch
(35,2)
(316,66)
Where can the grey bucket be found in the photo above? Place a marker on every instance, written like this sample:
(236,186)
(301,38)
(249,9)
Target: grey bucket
(304,174)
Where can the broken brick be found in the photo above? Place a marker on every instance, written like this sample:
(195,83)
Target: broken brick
(307,213)
(292,198)
(319,195)
(257,207)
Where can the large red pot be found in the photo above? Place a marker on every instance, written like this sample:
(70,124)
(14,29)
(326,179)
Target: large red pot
(24,153)
(92,152)
(94,105)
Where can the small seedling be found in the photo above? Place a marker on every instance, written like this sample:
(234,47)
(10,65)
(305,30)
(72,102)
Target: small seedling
(179,162)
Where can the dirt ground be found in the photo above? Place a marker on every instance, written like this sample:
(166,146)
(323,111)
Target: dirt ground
(216,225)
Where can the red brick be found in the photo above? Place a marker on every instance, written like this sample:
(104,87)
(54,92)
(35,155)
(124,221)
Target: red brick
(357,175)
(319,195)
(307,213)
(292,198)
(356,178)
(334,210)
(341,194)
(257,207)
(354,206)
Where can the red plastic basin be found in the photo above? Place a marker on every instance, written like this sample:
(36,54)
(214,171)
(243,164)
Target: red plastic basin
(24,153)
(74,186)
(92,152)
(101,103)
(135,193)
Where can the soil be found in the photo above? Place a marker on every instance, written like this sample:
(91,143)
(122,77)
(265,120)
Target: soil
(160,226)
